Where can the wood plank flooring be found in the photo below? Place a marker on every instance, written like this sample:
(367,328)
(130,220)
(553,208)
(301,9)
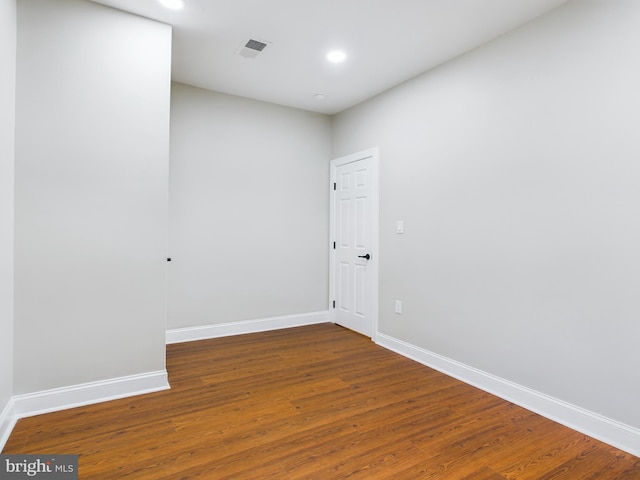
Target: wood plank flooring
(316,402)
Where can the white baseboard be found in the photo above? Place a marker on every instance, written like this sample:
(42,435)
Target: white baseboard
(87,393)
(8,420)
(614,433)
(46,401)
(218,330)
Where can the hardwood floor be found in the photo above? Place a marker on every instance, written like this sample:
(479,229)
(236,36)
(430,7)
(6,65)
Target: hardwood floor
(317,402)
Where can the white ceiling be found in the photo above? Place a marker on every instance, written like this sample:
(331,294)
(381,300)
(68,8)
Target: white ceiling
(387,42)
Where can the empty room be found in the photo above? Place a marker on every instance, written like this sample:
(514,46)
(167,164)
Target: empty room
(320,239)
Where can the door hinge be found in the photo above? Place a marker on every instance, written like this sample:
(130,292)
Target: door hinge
(335,186)
(334,245)
(334,304)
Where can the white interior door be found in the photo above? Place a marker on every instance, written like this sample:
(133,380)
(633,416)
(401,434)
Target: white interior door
(354,241)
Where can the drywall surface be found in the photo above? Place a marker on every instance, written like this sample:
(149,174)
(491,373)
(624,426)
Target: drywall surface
(515,170)
(248,209)
(7,131)
(92,158)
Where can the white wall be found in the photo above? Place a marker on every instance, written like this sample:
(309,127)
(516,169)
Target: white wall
(92,132)
(515,169)
(248,209)
(7,130)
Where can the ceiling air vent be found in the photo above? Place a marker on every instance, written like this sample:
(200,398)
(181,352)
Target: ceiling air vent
(252,48)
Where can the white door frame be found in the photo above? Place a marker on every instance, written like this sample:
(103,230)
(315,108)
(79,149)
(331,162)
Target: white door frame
(375,227)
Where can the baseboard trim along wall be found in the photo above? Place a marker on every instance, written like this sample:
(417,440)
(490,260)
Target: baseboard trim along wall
(614,433)
(7,422)
(217,330)
(28,405)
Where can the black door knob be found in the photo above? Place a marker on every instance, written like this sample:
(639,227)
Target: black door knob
(367,256)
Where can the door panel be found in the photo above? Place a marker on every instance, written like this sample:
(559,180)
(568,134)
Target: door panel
(353,220)
(344,285)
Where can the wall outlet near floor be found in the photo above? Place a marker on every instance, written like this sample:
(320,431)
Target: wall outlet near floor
(398,309)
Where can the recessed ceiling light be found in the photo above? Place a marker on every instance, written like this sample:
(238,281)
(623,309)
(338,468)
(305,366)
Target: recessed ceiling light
(173,4)
(336,56)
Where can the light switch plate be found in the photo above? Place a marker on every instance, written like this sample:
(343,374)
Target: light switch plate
(399,307)
(400,226)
